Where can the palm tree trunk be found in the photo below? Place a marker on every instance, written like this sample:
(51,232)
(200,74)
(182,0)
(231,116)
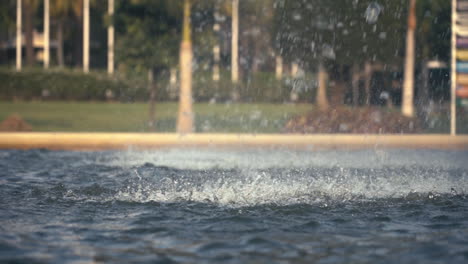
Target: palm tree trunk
(408,85)
(46,34)
(29,32)
(185,116)
(19,44)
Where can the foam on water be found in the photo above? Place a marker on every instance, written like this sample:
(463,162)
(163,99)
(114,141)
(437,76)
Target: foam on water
(286,177)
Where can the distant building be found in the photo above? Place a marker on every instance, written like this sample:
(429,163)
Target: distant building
(8,46)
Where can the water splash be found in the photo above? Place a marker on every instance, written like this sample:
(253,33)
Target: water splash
(372,12)
(254,177)
(319,186)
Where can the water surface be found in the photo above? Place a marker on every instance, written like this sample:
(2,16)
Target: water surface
(220,206)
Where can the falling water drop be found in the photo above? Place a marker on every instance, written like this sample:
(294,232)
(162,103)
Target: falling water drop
(372,12)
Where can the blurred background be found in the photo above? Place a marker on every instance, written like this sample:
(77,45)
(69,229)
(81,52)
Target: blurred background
(269,66)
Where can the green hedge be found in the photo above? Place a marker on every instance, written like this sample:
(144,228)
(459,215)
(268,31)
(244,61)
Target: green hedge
(74,85)
(56,85)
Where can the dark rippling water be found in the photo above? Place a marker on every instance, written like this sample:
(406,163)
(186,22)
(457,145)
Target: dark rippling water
(214,206)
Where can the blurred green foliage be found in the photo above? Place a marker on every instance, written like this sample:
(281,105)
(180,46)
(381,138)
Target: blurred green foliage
(116,117)
(148,38)
(339,32)
(36,84)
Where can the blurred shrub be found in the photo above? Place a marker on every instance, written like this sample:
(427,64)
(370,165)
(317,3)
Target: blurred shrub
(57,85)
(37,84)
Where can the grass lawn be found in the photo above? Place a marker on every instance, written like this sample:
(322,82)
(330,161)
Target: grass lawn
(215,118)
(121,117)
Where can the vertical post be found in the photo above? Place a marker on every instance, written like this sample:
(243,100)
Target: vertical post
(235,48)
(110,39)
(46,34)
(453,84)
(185,116)
(408,85)
(86,36)
(19,41)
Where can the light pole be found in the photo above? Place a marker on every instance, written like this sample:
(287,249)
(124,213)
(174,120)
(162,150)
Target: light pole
(19,41)
(453,79)
(86,36)
(110,39)
(235,49)
(46,34)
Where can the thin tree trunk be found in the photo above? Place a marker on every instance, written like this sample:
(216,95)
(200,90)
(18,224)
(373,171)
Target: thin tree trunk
(19,40)
(186,116)
(217,47)
(152,99)
(46,34)
(322,100)
(255,61)
(408,84)
(216,71)
(453,74)
(367,81)
(279,76)
(424,95)
(86,36)
(29,32)
(355,83)
(110,40)
(60,52)
(78,42)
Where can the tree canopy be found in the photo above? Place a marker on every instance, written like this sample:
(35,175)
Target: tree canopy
(342,31)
